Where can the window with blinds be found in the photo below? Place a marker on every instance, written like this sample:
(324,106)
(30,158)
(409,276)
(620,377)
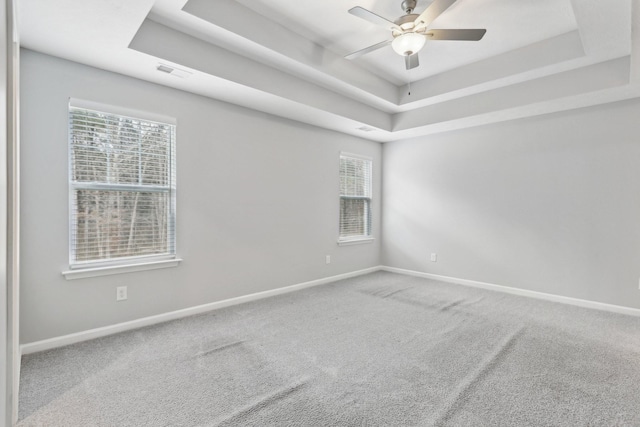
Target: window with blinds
(355,197)
(122,178)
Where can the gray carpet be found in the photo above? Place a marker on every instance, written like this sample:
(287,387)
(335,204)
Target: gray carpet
(376,350)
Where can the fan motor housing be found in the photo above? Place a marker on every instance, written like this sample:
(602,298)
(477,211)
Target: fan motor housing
(406,23)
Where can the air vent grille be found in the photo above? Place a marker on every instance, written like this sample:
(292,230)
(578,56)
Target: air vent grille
(163,68)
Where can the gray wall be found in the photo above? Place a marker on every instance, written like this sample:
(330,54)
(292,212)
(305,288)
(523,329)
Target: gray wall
(549,204)
(257,203)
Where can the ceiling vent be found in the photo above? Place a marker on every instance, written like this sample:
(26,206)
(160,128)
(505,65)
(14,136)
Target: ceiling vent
(173,71)
(366,129)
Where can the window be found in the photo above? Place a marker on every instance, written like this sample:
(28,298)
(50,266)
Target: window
(355,198)
(122,185)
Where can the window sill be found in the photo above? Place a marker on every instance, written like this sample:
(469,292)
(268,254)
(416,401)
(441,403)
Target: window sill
(119,269)
(356,241)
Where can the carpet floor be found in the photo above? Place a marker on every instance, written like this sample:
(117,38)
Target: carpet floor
(376,350)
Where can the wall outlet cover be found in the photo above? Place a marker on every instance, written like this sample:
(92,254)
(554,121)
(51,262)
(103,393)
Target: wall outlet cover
(121,293)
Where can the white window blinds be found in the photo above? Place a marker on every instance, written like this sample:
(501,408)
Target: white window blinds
(355,197)
(122,187)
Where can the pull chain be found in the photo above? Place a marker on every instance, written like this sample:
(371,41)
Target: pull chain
(409,85)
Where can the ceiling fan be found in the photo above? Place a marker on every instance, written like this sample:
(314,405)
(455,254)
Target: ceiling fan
(409,32)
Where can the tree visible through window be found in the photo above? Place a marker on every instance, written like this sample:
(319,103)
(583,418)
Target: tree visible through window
(355,197)
(122,187)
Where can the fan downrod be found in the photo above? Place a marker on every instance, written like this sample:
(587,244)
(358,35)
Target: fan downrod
(408,6)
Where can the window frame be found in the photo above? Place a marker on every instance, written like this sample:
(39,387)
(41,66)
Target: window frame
(90,268)
(363,238)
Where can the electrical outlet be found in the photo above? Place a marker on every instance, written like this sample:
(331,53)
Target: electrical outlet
(434,257)
(121,293)
(327,259)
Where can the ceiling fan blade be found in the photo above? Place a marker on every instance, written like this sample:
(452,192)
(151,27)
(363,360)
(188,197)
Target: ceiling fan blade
(367,15)
(368,49)
(470,35)
(433,11)
(411,61)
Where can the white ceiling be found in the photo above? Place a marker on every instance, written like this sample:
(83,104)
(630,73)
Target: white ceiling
(286,57)
(510,24)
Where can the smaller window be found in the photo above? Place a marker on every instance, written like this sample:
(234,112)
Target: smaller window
(355,197)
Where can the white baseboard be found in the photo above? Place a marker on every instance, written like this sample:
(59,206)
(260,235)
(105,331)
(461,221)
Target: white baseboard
(522,292)
(62,341)
(51,343)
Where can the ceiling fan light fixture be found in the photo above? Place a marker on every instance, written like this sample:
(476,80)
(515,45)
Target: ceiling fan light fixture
(408,43)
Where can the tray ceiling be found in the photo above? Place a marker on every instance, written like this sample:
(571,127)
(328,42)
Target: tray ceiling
(287,58)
